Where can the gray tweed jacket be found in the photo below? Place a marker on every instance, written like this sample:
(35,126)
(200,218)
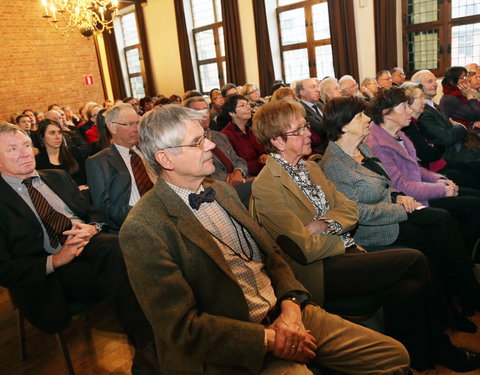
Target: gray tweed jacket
(379,217)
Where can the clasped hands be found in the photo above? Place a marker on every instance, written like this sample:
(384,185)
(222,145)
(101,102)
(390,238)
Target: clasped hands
(77,238)
(287,338)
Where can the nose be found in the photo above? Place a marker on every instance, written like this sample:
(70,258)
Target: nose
(208,145)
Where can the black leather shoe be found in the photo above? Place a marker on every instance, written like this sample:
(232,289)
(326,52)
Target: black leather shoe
(459,359)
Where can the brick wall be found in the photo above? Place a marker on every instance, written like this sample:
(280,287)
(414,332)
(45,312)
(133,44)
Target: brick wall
(39,66)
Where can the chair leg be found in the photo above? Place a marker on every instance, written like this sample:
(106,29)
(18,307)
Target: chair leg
(21,336)
(66,355)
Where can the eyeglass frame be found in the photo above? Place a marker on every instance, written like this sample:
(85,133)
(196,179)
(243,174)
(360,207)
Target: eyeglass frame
(200,143)
(127,124)
(300,131)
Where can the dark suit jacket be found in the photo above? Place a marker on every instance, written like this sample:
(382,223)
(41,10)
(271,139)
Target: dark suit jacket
(319,140)
(22,255)
(110,186)
(223,144)
(196,307)
(441,132)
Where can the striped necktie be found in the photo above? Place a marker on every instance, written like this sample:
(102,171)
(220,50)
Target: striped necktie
(142,180)
(54,222)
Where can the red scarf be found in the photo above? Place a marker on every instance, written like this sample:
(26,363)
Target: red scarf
(450,90)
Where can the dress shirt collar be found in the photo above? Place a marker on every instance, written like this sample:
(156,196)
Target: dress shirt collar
(184,193)
(15,181)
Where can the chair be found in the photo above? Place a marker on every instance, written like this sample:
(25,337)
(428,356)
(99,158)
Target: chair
(76,308)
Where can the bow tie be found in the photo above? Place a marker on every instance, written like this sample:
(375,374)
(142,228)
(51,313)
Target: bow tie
(195,200)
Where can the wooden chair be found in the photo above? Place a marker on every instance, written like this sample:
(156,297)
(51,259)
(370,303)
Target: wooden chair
(75,309)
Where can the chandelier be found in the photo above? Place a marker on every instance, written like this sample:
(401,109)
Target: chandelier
(88,16)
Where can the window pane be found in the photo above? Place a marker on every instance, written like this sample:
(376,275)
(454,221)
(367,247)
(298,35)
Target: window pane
(420,11)
(292,26)
(209,77)
(463,8)
(224,75)
(287,2)
(423,50)
(129,30)
(465,44)
(296,65)
(222,41)
(133,61)
(137,87)
(324,59)
(218,7)
(205,44)
(202,12)
(321,25)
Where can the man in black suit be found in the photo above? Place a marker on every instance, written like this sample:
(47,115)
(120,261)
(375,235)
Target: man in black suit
(114,186)
(51,250)
(441,131)
(309,93)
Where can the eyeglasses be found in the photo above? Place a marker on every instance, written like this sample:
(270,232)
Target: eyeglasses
(252,92)
(243,106)
(298,131)
(127,124)
(200,143)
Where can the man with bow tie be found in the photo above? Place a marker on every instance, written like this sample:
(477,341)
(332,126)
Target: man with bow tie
(218,294)
(117,176)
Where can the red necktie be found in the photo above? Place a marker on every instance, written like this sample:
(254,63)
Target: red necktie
(142,180)
(223,159)
(54,222)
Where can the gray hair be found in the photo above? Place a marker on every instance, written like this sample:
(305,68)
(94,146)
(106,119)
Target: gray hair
(419,76)
(113,114)
(345,78)
(323,87)
(194,99)
(7,128)
(367,80)
(164,127)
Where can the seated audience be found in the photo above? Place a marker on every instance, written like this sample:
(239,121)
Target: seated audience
(33,119)
(369,87)
(51,257)
(216,103)
(71,118)
(329,89)
(387,216)
(430,155)
(24,123)
(117,176)
(107,104)
(104,136)
(474,82)
(134,103)
(176,99)
(54,154)
(228,89)
(240,135)
(219,297)
(146,104)
(441,131)
(308,92)
(390,113)
(229,167)
(348,85)
(293,199)
(252,93)
(282,93)
(91,134)
(398,76)
(384,78)
(459,101)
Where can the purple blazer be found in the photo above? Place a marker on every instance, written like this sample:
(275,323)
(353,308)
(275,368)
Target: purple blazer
(402,166)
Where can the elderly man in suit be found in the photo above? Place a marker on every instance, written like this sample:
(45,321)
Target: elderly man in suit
(441,131)
(220,298)
(51,250)
(229,166)
(117,175)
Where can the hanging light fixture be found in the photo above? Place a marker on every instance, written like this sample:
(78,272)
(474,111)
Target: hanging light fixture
(89,16)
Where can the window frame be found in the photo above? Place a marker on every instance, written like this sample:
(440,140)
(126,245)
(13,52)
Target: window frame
(218,59)
(444,26)
(310,44)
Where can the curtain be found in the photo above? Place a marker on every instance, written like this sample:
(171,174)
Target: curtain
(385,34)
(343,37)
(150,89)
(184,45)
(233,42)
(264,52)
(114,67)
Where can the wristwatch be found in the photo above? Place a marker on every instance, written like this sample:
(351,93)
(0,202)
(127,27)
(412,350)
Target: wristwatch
(300,298)
(98,226)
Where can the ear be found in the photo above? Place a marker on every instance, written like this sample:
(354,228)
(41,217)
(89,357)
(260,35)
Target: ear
(112,128)
(279,143)
(345,128)
(163,158)
(386,113)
